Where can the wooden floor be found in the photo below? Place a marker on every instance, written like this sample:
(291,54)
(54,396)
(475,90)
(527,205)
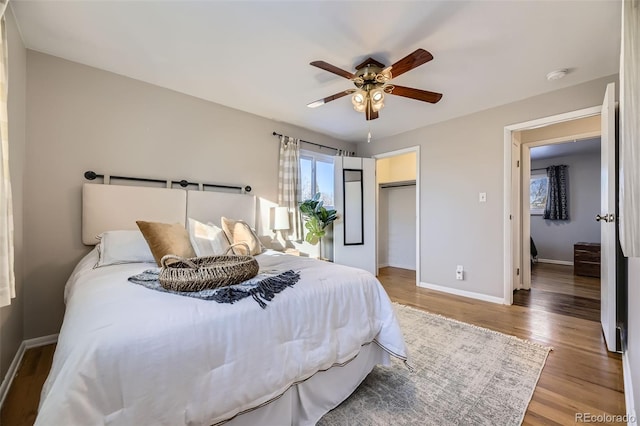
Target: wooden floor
(554,288)
(21,404)
(579,376)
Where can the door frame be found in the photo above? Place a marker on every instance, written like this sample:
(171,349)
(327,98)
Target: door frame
(525,208)
(515,248)
(395,153)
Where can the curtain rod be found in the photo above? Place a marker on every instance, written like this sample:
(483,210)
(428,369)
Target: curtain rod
(545,168)
(317,144)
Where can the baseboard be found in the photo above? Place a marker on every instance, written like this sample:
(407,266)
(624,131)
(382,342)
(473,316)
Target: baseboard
(383,265)
(556,262)
(17,360)
(628,390)
(40,341)
(463,293)
(407,267)
(11,373)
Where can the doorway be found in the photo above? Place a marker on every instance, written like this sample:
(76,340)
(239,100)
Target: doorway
(555,283)
(516,203)
(398,206)
(517,168)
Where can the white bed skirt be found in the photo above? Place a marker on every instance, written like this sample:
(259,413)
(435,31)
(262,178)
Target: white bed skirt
(306,402)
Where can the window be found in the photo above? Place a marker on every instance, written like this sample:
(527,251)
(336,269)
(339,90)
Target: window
(316,175)
(538,188)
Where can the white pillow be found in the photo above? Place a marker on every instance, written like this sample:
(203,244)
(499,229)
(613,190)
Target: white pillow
(207,240)
(118,247)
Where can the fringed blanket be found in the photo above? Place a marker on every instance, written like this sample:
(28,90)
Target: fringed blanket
(263,287)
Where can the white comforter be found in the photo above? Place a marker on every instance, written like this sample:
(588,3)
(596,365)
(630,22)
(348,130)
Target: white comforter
(128,355)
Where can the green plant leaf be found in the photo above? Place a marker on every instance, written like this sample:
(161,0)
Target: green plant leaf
(317,218)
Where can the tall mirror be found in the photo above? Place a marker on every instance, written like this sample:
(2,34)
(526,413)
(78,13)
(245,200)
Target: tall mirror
(353,207)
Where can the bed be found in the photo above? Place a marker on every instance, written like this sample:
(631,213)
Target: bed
(128,355)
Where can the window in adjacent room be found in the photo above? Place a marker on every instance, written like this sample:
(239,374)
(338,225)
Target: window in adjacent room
(316,175)
(538,188)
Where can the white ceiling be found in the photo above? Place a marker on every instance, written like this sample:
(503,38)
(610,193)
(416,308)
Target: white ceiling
(584,146)
(254,56)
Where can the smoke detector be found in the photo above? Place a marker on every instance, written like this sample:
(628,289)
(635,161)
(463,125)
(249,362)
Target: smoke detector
(557,74)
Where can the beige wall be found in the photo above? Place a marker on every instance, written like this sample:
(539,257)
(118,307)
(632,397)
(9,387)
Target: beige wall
(399,168)
(11,317)
(81,118)
(459,159)
(573,129)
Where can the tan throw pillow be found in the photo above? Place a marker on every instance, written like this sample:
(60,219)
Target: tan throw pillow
(238,231)
(165,238)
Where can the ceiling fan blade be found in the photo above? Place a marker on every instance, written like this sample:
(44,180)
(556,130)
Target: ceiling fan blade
(371,114)
(420,95)
(320,102)
(332,69)
(410,62)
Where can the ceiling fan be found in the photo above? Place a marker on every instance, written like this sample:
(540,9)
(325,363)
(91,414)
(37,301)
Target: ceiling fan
(372,83)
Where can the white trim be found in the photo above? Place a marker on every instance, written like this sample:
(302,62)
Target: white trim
(383,265)
(11,373)
(397,152)
(556,262)
(510,192)
(41,341)
(17,360)
(463,293)
(628,390)
(407,267)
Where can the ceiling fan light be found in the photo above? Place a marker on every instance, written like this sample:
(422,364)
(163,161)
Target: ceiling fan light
(377,96)
(358,98)
(360,107)
(377,106)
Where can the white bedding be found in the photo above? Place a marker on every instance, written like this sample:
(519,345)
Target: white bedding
(128,355)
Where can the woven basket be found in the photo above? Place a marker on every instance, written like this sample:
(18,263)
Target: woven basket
(199,273)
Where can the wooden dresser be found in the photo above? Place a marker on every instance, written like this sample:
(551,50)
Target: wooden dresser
(586,259)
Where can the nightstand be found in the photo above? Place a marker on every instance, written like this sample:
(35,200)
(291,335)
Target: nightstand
(586,259)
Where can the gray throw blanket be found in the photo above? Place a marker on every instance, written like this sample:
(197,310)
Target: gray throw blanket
(263,287)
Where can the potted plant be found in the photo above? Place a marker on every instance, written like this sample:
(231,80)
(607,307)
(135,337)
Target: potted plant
(317,219)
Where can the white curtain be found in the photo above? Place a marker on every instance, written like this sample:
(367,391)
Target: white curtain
(289,183)
(7,276)
(630,129)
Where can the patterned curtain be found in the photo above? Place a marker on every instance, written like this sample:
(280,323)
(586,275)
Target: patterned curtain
(7,276)
(630,130)
(557,207)
(289,183)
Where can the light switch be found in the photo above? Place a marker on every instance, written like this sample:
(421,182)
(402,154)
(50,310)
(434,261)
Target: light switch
(482,197)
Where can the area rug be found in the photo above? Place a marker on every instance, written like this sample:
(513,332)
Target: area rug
(463,375)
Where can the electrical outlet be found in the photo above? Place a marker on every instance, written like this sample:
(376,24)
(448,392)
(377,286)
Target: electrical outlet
(459,273)
(482,197)
(459,268)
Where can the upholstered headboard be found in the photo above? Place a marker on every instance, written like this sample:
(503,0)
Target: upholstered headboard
(116,207)
(208,206)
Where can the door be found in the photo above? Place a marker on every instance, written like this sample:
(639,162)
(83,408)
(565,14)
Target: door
(607,219)
(354,232)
